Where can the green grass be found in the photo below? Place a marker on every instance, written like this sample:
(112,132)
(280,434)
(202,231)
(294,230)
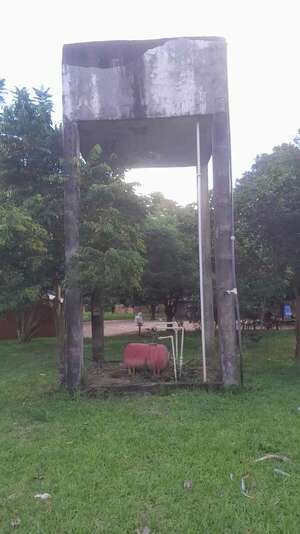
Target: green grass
(117,465)
(110,316)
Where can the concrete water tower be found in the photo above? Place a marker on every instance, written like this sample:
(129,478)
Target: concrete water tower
(155,103)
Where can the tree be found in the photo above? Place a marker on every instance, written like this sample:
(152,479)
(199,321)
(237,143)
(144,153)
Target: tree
(110,261)
(170,273)
(30,145)
(23,248)
(31,180)
(268,220)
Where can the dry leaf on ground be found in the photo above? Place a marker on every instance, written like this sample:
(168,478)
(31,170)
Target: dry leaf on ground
(42,496)
(145,530)
(15,523)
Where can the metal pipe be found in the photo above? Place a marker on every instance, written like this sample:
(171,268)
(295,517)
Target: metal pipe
(173,353)
(174,359)
(200,252)
(181,351)
(176,342)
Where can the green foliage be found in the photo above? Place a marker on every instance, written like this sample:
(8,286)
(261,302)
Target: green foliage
(31,188)
(29,148)
(267,205)
(23,248)
(110,257)
(171,253)
(113,271)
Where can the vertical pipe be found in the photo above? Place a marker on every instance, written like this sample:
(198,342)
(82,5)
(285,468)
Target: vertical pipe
(174,359)
(200,252)
(173,354)
(181,351)
(207,266)
(176,342)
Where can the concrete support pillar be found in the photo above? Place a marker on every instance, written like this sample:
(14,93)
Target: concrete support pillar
(73,346)
(207,268)
(223,249)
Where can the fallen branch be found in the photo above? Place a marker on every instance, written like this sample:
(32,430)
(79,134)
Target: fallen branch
(280,472)
(244,490)
(273,456)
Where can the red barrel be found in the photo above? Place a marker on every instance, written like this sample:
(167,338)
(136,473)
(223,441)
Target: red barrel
(135,355)
(138,355)
(157,359)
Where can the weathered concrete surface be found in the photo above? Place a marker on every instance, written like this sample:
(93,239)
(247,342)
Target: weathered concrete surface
(224,266)
(176,78)
(73,345)
(148,142)
(112,89)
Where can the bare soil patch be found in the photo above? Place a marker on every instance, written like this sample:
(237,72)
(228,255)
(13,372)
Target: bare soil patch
(114,377)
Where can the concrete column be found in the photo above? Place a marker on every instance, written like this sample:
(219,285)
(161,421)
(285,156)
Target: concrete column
(223,249)
(73,347)
(207,268)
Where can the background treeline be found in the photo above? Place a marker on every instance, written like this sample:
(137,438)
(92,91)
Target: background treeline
(134,249)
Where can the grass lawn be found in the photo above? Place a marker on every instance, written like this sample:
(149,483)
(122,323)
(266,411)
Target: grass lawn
(110,316)
(117,466)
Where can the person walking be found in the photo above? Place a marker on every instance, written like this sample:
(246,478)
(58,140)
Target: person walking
(139,321)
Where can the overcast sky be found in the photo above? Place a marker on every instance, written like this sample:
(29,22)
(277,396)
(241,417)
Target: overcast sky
(263,59)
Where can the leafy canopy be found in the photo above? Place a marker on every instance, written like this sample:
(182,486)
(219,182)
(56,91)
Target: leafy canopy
(31,187)
(267,206)
(110,257)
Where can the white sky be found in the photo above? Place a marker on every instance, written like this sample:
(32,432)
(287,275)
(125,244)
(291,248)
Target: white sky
(263,55)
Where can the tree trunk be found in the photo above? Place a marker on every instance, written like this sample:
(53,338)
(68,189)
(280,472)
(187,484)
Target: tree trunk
(73,344)
(20,323)
(262,314)
(97,316)
(223,250)
(170,309)
(27,323)
(153,312)
(60,333)
(297,329)
(169,316)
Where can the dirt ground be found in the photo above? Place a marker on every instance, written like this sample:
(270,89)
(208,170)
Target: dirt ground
(116,328)
(114,377)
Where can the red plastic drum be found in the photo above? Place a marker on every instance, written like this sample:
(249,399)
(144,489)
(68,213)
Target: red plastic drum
(135,355)
(157,359)
(138,355)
